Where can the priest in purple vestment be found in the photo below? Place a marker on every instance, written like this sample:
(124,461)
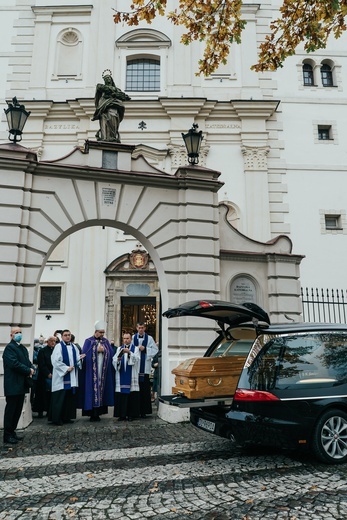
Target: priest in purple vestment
(97,381)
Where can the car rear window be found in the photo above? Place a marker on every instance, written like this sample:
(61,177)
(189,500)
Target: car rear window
(297,361)
(232,347)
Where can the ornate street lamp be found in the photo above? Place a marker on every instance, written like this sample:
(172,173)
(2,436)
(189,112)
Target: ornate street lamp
(16,116)
(192,139)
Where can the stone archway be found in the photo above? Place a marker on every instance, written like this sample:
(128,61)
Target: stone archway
(175,217)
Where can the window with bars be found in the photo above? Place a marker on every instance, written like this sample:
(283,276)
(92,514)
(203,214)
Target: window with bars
(143,75)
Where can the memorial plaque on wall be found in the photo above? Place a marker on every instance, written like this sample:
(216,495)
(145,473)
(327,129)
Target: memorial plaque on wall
(243,290)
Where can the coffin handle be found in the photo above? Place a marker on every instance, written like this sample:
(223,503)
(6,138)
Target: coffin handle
(209,381)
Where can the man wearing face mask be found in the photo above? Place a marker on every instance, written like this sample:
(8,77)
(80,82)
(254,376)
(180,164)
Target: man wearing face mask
(17,369)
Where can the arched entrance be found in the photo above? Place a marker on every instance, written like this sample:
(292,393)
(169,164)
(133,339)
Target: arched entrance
(133,294)
(175,217)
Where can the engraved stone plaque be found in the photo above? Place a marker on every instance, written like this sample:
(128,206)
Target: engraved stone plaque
(243,290)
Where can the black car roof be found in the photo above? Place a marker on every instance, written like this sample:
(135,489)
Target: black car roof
(289,328)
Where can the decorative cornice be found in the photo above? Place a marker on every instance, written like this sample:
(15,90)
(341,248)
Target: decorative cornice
(62,10)
(186,107)
(143,39)
(255,109)
(247,256)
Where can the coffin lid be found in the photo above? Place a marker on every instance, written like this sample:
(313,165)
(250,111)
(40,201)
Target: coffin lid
(222,312)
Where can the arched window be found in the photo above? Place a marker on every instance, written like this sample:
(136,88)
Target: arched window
(307,72)
(326,75)
(143,57)
(143,75)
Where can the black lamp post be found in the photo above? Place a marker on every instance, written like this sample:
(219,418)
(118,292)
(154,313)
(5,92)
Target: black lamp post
(192,139)
(16,116)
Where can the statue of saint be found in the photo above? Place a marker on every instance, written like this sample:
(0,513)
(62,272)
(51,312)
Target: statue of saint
(109,108)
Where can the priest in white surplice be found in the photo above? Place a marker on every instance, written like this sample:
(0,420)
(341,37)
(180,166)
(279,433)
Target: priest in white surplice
(66,361)
(126,361)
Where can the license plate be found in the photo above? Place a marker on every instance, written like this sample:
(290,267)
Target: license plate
(206,425)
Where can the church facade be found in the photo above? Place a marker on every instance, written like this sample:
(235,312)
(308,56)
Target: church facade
(262,215)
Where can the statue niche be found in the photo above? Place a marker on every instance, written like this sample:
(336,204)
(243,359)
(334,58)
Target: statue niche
(109,108)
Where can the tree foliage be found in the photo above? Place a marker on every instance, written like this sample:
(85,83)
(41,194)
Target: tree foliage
(219,23)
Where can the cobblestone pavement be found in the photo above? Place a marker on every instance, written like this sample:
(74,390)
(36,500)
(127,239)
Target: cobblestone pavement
(152,469)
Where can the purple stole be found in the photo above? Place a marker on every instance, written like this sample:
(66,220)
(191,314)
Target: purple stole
(98,392)
(143,355)
(125,371)
(67,377)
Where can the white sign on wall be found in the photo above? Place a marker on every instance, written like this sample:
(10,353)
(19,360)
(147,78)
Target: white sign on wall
(108,196)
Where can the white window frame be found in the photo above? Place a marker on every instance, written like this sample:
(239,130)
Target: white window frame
(333,139)
(341,218)
(140,44)
(316,63)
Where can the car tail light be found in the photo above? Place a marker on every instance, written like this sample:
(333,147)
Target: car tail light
(253,395)
(204,304)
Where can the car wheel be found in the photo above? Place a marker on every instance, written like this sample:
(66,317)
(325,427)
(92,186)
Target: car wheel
(330,437)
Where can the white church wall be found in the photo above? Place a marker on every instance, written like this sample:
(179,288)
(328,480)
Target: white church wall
(325,251)
(54,128)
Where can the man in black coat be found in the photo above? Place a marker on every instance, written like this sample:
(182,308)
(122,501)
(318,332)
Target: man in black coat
(44,378)
(17,369)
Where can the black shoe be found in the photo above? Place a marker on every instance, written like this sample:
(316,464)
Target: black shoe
(122,419)
(68,421)
(18,437)
(40,415)
(10,440)
(143,416)
(130,419)
(57,423)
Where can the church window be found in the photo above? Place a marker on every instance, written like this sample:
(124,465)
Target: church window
(143,75)
(326,75)
(307,71)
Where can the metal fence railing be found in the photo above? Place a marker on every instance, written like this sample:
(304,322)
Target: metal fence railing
(324,305)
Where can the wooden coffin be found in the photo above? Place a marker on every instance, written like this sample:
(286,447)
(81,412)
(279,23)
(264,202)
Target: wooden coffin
(208,376)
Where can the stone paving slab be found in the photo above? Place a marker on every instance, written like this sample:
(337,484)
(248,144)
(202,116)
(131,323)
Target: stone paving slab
(153,469)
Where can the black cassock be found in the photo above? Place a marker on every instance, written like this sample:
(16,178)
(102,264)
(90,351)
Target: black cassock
(43,384)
